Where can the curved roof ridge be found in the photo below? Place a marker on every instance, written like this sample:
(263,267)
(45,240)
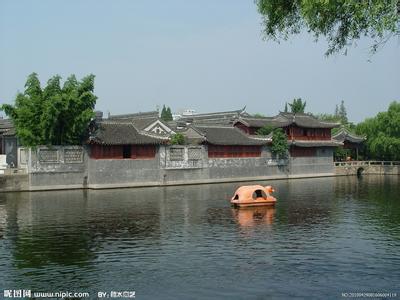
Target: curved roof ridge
(238,111)
(229,135)
(146,114)
(345,134)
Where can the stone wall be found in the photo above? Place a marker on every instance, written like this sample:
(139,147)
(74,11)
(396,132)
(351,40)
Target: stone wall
(14,182)
(71,167)
(182,165)
(367,167)
(108,173)
(57,167)
(322,163)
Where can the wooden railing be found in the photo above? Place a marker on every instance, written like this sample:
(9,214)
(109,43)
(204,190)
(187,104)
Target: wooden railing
(360,163)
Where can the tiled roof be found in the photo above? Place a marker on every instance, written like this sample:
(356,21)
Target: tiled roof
(257,121)
(142,123)
(117,133)
(147,114)
(193,135)
(219,135)
(303,120)
(140,120)
(6,127)
(286,119)
(214,122)
(10,132)
(344,135)
(215,116)
(305,143)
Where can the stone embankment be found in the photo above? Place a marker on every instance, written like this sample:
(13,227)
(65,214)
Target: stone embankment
(367,167)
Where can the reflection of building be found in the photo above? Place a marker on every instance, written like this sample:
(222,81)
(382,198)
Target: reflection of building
(351,141)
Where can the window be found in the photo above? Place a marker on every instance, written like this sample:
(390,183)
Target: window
(176,154)
(126,151)
(143,151)
(195,153)
(233,151)
(120,152)
(259,194)
(302,152)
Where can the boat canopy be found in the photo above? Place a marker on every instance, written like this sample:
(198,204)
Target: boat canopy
(250,191)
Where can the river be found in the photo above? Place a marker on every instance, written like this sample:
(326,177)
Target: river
(325,237)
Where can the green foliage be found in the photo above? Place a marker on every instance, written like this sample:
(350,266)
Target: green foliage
(341,113)
(342,22)
(169,114)
(166,114)
(265,130)
(341,154)
(258,115)
(279,145)
(297,106)
(350,127)
(336,118)
(383,134)
(177,139)
(286,108)
(53,115)
(163,112)
(328,117)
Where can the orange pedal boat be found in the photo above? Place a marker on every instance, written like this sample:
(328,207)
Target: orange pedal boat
(253,195)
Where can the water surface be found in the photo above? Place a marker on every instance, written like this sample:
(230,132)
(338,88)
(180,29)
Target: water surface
(325,237)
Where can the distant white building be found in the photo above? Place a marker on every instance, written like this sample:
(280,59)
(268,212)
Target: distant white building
(184,113)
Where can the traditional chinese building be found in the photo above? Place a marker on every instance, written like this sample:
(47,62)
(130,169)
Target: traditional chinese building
(305,133)
(112,139)
(146,121)
(215,118)
(9,142)
(251,125)
(228,141)
(352,142)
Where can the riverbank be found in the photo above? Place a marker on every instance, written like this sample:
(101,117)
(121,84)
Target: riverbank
(72,167)
(20,182)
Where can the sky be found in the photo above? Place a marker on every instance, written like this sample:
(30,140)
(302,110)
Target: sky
(203,55)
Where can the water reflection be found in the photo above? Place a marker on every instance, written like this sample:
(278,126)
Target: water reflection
(191,242)
(372,197)
(252,216)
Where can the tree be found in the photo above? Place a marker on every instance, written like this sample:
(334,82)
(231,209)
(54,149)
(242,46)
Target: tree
(286,108)
(337,111)
(297,106)
(342,22)
(258,115)
(383,134)
(166,114)
(327,117)
(265,130)
(177,139)
(336,118)
(54,115)
(163,112)
(343,113)
(279,145)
